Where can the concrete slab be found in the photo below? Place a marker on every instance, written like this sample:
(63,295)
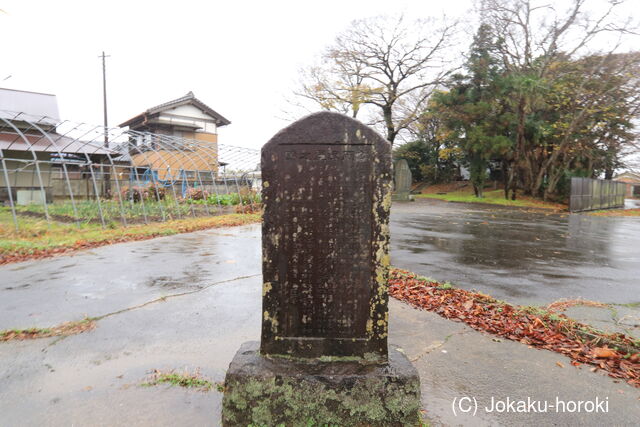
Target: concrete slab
(455,361)
(109,278)
(93,378)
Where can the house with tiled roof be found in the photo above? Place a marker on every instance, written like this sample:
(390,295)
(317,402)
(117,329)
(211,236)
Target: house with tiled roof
(632,179)
(187,124)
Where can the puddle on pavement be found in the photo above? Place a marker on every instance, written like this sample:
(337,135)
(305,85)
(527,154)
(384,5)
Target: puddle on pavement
(167,282)
(498,248)
(11,288)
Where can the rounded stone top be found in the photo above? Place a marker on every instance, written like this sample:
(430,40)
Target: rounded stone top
(329,128)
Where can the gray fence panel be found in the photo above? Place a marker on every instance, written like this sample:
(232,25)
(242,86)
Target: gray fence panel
(593,194)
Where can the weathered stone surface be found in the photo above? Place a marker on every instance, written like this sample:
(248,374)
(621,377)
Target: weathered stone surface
(323,357)
(326,191)
(402,181)
(270,391)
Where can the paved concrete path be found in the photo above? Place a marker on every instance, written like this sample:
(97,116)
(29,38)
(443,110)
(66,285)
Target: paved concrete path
(526,257)
(211,286)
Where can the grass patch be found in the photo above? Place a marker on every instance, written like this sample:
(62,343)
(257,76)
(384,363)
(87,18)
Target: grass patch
(89,210)
(184,379)
(630,305)
(445,286)
(65,329)
(494,197)
(36,238)
(616,212)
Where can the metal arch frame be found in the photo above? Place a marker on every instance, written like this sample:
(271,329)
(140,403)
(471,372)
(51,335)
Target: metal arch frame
(115,174)
(180,146)
(144,135)
(159,156)
(166,148)
(239,150)
(134,169)
(11,202)
(64,168)
(196,169)
(213,157)
(216,156)
(113,166)
(155,186)
(35,160)
(89,164)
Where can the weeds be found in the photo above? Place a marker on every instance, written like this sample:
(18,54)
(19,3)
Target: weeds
(64,329)
(37,239)
(445,286)
(183,379)
(495,197)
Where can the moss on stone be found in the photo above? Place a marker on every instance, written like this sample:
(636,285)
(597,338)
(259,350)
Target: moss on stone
(375,401)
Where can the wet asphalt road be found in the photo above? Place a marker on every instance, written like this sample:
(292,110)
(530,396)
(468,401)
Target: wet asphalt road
(189,301)
(524,256)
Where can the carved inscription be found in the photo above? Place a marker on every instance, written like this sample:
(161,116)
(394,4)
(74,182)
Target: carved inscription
(326,192)
(326,215)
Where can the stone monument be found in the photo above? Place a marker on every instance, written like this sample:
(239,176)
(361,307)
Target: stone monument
(323,355)
(402,181)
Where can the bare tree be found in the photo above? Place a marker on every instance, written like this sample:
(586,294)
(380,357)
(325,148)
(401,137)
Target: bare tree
(334,85)
(384,65)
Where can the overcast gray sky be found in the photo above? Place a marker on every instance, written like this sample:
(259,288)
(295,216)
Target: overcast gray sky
(239,57)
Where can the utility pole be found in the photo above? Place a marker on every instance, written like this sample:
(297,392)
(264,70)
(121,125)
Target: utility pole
(105,175)
(104,97)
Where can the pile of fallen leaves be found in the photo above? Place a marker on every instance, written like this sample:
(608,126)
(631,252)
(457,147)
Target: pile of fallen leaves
(563,304)
(64,329)
(536,328)
(617,212)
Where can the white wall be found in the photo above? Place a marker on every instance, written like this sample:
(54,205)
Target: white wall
(196,117)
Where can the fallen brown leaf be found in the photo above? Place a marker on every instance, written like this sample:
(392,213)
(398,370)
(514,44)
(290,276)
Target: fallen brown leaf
(603,353)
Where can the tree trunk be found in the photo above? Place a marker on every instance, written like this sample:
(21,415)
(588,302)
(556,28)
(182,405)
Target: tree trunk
(608,172)
(387,114)
(505,179)
(520,155)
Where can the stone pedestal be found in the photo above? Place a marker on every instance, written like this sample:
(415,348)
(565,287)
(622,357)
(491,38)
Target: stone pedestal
(404,196)
(269,391)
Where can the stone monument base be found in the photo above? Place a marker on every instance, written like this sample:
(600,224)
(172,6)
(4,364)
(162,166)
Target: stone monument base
(403,196)
(266,391)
